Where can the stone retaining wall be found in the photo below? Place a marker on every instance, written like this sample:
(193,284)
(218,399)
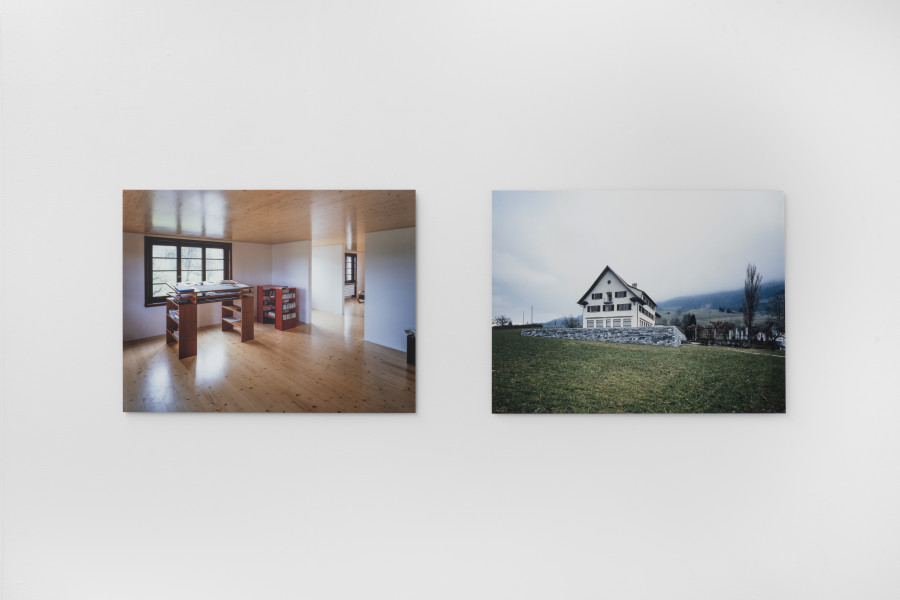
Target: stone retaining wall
(654,336)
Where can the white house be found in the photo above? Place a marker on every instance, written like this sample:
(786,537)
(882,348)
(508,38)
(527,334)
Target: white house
(610,302)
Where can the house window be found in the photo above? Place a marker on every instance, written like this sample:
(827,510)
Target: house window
(349,268)
(623,307)
(607,307)
(626,322)
(597,296)
(594,308)
(620,294)
(171,260)
(609,322)
(617,322)
(590,322)
(599,322)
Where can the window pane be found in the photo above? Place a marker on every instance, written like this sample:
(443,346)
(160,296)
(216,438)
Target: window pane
(164,252)
(164,264)
(164,276)
(172,260)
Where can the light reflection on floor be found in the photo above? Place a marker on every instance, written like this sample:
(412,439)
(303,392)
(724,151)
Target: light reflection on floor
(159,375)
(211,365)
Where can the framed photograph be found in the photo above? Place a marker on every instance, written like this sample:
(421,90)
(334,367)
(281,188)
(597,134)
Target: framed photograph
(638,302)
(269,300)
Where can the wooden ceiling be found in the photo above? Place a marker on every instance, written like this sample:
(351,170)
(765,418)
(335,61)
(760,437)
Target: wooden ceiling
(327,217)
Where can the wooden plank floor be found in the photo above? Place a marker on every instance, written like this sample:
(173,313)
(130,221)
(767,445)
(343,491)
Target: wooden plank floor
(320,367)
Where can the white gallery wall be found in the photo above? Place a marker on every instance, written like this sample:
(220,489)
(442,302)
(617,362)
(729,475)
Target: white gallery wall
(327,279)
(291,264)
(452,99)
(391,295)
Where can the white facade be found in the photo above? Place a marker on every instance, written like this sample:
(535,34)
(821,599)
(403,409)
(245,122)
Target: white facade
(610,302)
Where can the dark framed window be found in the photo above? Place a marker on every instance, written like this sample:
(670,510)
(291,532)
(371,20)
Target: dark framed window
(597,296)
(349,268)
(607,308)
(620,294)
(594,308)
(171,260)
(623,307)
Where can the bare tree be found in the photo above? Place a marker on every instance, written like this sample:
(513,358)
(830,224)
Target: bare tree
(501,320)
(750,303)
(775,308)
(571,321)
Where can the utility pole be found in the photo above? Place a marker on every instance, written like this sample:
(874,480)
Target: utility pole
(532,314)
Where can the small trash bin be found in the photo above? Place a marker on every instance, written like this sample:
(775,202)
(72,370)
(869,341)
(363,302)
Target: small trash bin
(410,346)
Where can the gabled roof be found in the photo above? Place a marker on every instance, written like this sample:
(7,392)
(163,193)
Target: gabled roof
(635,291)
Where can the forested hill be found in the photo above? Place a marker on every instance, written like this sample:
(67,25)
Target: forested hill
(729,300)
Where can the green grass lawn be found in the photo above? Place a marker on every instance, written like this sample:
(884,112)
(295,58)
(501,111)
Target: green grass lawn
(545,375)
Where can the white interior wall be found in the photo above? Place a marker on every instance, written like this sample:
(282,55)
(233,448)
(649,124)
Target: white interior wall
(327,279)
(291,266)
(251,264)
(391,295)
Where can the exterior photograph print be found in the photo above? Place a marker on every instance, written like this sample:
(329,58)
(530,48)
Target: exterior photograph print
(269,301)
(638,302)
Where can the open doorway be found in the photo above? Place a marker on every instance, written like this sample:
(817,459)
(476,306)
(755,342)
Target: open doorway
(354,293)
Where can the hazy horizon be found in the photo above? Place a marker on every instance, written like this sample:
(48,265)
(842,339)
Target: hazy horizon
(549,247)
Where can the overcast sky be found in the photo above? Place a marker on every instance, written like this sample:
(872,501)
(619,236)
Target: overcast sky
(549,247)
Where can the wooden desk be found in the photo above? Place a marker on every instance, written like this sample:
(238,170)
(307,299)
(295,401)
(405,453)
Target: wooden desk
(181,311)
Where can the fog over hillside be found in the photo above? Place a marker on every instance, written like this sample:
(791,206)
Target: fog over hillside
(728,299)
(549,247)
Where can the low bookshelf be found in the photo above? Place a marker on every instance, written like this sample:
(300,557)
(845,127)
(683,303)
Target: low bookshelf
(237,315)
(277,304)
(181,322)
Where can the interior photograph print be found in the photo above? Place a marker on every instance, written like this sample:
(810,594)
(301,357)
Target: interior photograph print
(269,301)
(638,302)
